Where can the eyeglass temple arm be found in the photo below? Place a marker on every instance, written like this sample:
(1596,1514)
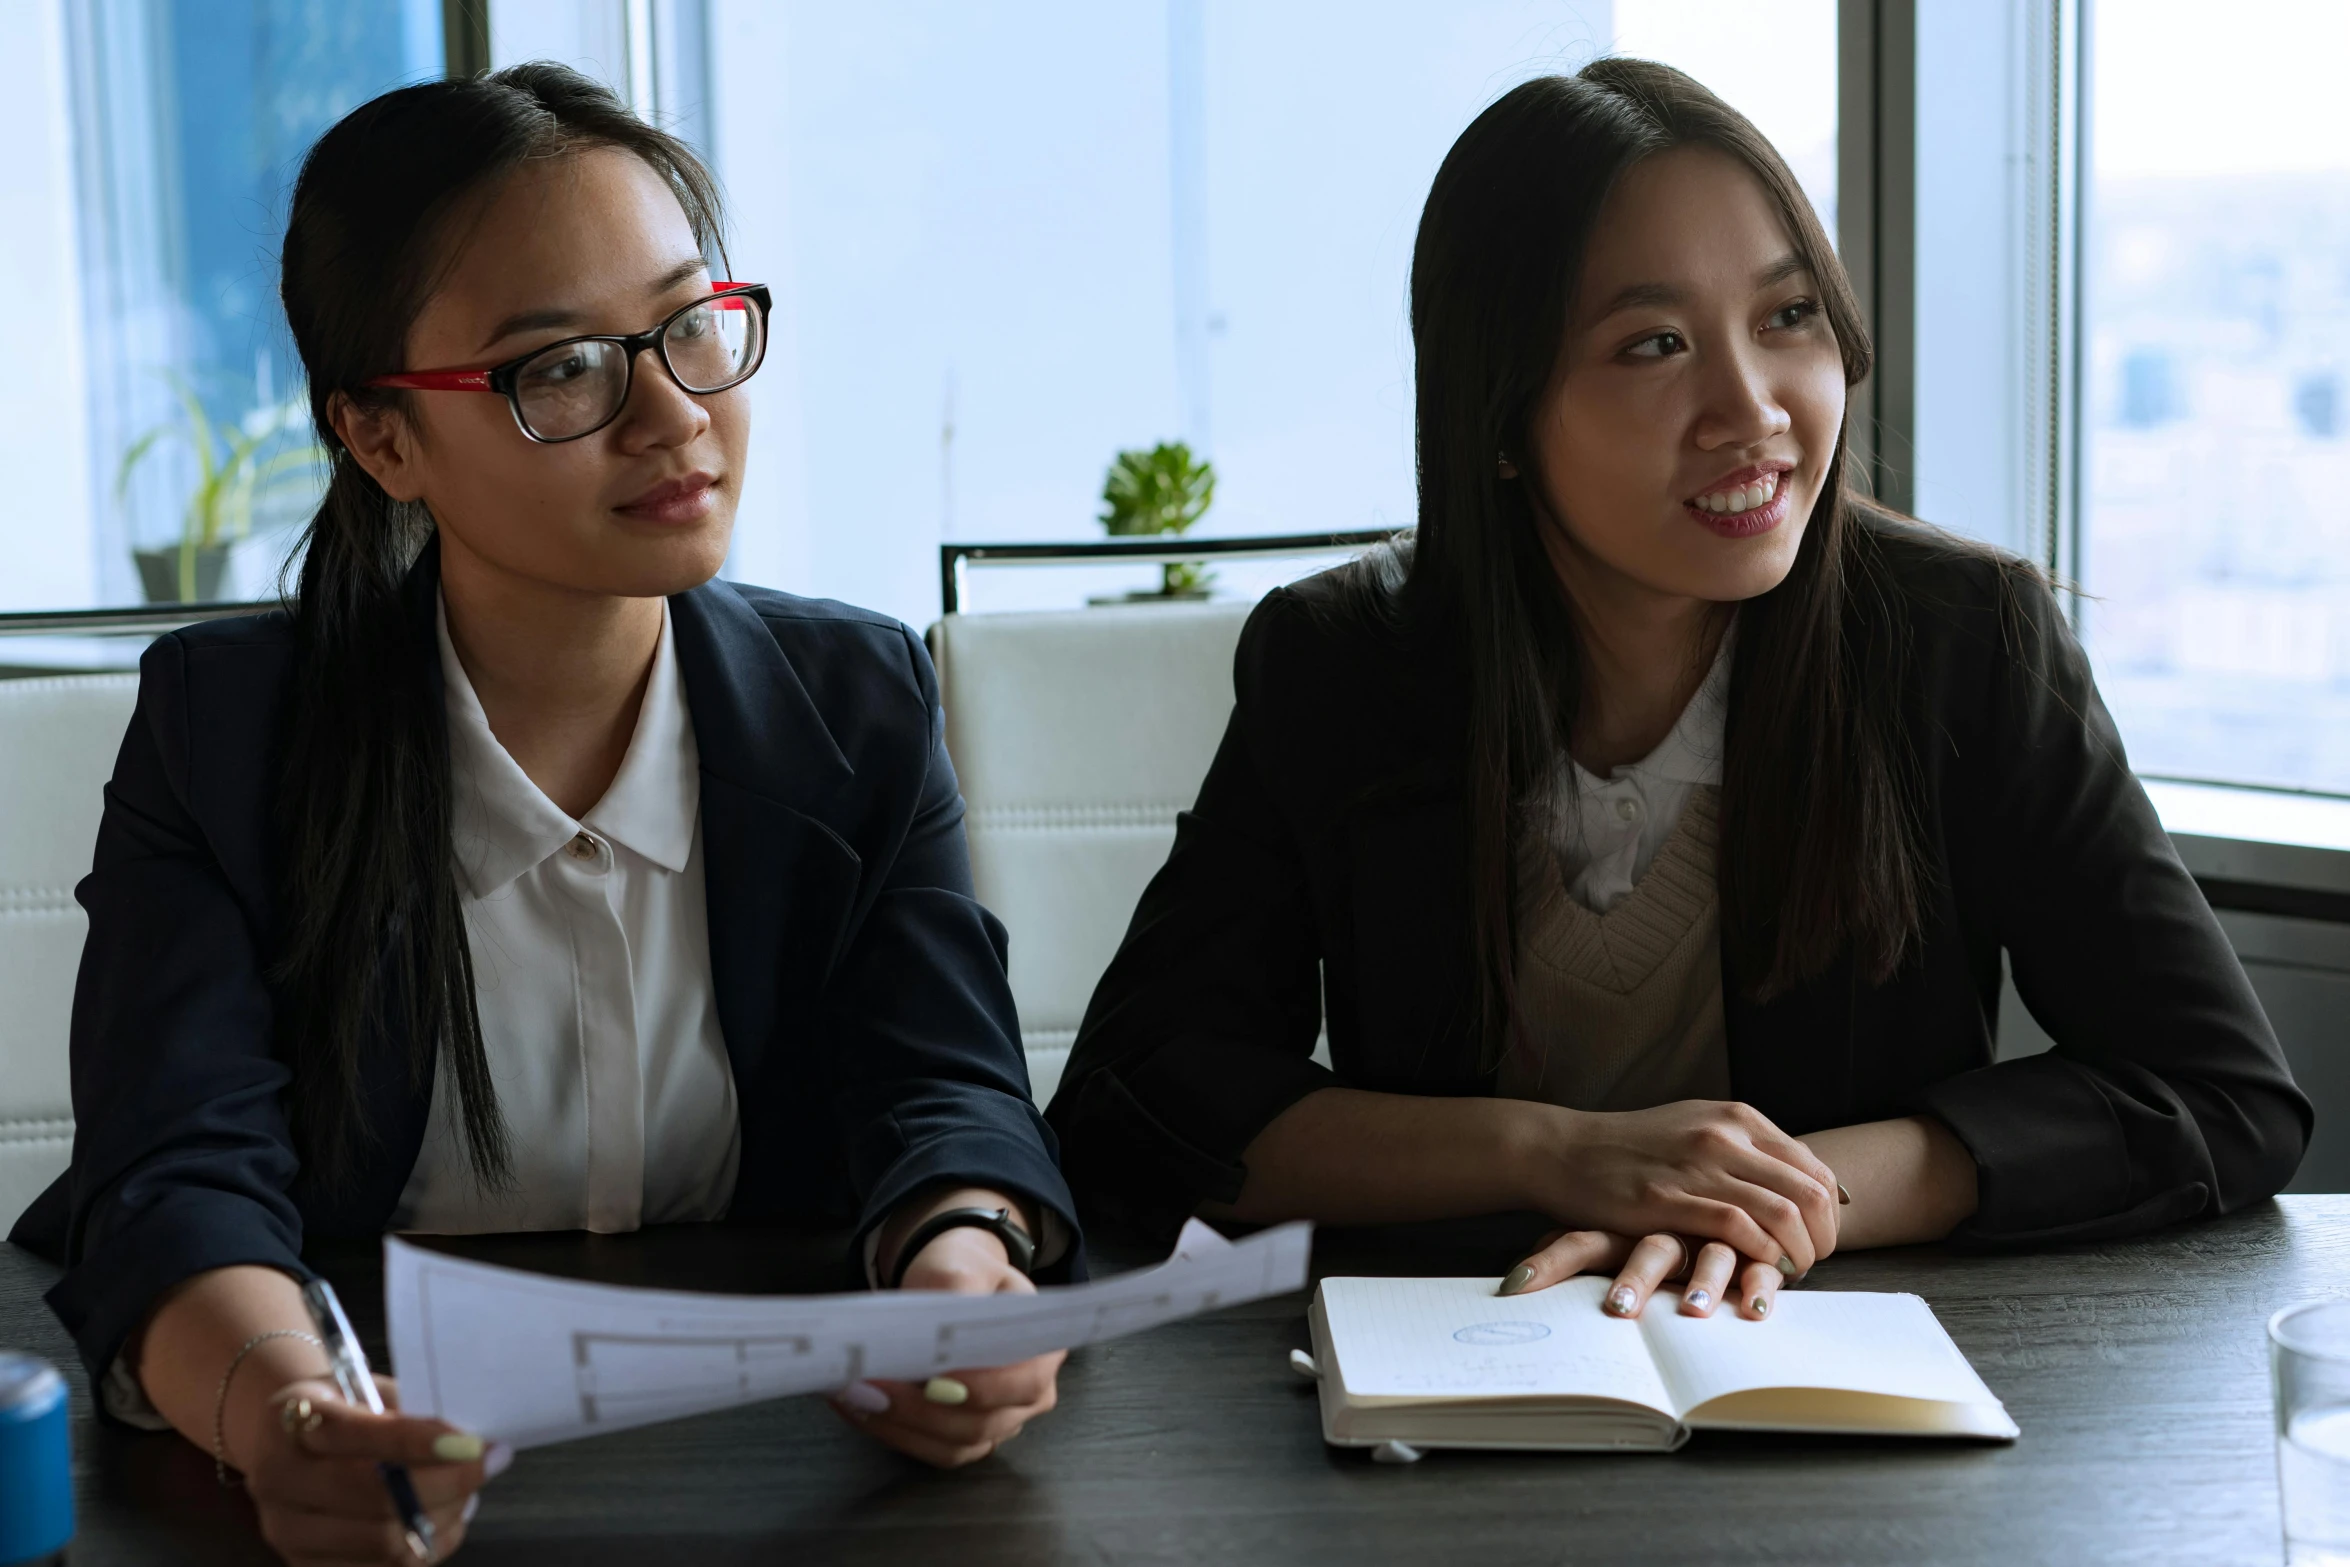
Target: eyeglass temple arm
(437,381)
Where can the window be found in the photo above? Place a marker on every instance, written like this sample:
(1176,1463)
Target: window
(1008,242)
(187,128)
(2216,389)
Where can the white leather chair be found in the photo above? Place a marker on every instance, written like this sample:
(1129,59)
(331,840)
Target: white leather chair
(58,739)
(1077,736)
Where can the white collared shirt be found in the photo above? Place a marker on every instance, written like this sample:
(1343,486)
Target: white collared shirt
(591,963)
(592,976)
(1607,831)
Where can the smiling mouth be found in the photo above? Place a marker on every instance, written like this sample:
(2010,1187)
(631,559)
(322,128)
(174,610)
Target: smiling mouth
(1737,499)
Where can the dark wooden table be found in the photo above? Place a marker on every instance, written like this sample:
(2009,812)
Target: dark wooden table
(2137,1371)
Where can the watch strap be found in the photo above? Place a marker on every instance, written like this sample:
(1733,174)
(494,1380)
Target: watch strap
(1019,1245)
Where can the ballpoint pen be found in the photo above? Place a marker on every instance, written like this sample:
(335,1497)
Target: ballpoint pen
(358,1384)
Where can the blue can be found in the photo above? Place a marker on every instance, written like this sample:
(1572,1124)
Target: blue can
(36,1469)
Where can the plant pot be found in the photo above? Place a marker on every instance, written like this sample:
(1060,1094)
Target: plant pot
(159,573)
(1154,596)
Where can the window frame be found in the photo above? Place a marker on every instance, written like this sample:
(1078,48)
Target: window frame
(2254,850)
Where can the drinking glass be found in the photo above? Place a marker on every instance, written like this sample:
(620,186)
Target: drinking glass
(2309,1363)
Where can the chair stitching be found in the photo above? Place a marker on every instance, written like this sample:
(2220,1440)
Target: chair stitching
(122,681)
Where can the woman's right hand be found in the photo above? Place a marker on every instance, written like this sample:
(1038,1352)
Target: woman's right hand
(309,1461)
(1708,1169)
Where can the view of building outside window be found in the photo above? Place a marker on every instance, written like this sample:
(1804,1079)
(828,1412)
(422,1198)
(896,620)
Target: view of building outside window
(2216,461)
(189,125)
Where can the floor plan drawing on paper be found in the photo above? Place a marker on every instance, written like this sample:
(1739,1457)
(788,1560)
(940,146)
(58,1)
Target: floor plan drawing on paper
(529,1359)
(622,1377)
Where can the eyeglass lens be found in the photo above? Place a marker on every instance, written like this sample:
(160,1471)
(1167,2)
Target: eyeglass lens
(577,387)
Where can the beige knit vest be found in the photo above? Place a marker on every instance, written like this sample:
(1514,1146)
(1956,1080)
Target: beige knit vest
(1623,1010)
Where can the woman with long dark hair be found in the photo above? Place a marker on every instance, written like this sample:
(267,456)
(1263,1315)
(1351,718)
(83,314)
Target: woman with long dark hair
(1647,831)
(519,875)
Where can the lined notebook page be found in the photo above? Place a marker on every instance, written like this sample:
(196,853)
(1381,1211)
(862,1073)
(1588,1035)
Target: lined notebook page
(1861,1343)
(1455,1338)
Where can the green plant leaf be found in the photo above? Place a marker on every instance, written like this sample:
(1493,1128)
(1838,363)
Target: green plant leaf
(1162,490)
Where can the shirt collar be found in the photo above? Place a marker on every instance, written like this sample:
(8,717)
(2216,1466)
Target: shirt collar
(654,799)
(502,824)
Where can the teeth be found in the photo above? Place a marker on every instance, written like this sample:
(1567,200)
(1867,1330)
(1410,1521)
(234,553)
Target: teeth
(1745,497)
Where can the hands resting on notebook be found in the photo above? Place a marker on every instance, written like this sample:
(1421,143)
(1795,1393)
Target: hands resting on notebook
(1754,1204)
(1719,1187)
(1694,1157)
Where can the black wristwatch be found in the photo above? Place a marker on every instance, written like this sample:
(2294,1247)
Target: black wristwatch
(1018,1245)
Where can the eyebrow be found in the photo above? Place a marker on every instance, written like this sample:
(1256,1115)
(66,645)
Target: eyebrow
(1640,296)
(541,320)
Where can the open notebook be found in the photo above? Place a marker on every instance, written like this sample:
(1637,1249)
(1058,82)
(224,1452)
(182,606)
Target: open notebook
(1447,1363)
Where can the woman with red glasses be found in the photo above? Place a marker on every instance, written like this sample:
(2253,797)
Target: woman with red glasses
(520,875)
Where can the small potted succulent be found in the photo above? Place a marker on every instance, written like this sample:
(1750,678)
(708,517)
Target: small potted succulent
(1161,491)
(241,466)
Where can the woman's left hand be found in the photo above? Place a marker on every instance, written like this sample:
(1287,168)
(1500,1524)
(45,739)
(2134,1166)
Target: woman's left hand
(1642,1265)
(963,1416)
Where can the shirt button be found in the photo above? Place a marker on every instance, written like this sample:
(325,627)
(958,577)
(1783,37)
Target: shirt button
(1628,810)
(581,847)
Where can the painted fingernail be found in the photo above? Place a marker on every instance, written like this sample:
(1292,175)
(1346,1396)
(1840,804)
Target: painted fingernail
(1760,1305)
(458,1447)
(1842,1195)
(1620,1300)
(497,1460)
(1698,1300)
(863,1397)
(472,1506)
(1518,1278)
(945,1390)
(1786,1267)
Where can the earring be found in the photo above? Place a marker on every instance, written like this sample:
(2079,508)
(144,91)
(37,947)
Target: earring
(1508,469)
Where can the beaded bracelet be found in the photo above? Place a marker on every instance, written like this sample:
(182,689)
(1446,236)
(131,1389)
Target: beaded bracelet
(220,1401)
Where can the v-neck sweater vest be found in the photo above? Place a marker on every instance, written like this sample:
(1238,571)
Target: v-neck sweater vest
(1622,1010)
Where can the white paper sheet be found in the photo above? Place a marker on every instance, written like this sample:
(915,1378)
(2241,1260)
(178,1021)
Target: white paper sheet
(1891,1345)
(527,1359)
(1454,1338)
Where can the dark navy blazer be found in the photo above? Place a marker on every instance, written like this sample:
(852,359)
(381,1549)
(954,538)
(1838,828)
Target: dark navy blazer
(1324,873)
(860,986)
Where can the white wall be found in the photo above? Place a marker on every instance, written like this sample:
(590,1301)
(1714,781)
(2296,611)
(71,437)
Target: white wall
(48,552)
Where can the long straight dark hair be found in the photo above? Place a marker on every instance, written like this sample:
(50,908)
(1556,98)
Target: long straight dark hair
(1820,854)
(374,947)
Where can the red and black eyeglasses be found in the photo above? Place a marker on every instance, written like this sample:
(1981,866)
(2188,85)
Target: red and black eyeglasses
(577,386)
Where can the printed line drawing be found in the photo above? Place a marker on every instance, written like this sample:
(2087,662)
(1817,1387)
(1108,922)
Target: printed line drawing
(624,1375)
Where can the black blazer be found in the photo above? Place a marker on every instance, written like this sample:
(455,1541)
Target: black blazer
(860,986)
(1325,868)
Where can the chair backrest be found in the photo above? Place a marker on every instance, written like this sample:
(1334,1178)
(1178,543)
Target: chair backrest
(1077,736)
(58,739)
